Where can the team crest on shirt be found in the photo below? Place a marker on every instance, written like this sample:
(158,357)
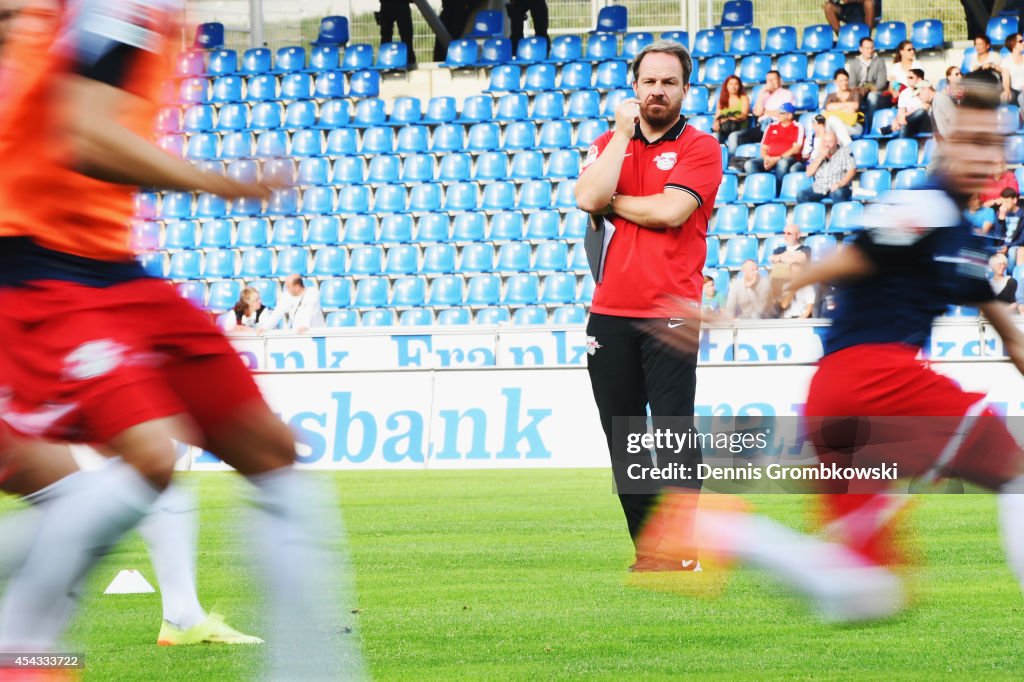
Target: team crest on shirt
(665,161)
(93,359)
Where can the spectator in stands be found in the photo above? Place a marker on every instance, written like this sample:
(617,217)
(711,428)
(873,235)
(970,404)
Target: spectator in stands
(712,300)
(812,140)
(984,57)
(1008,215)
(244,318)
(849,12)
(454,14)
(904,61)
(1012,69)
(868,76)
(914,108)
(842,109)
(833,170)
(298,309)
(981,218)
(396,12)
(799,303)
(792,251)
(781,147)
(1004,286)
(945,103)
(732,110)
(750,294)
(517,10)
(766,110)
(993,192)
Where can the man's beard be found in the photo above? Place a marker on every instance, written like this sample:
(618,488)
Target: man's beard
(666,116)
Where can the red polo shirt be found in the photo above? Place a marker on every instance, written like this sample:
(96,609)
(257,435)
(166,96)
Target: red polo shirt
(780,139)
(645,269)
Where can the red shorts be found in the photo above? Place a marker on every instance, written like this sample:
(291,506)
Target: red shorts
(82,364)
(879,403)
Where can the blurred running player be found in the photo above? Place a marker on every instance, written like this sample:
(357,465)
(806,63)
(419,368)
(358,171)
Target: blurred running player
(86,360)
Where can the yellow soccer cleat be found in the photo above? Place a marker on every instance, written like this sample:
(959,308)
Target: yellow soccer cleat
(213,630)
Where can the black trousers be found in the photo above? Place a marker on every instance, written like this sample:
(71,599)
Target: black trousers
(392,13)
(630,371)
(453,15)
(517,10)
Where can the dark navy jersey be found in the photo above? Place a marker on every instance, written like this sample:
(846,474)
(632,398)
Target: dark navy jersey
(926,258)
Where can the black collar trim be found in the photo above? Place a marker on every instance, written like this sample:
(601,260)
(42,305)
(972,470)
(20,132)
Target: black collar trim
(673,133)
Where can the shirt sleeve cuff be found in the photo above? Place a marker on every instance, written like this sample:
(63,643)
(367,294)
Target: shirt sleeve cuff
(692,192)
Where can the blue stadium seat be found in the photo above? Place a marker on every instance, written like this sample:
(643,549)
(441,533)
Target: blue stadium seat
(1014,149)
(520,135)
(333,31)
(754,68)
(513,107)
(792,67)
(307,143)
(681,37)
(805,96)
(329,85)
(248,206)
(874,182)
(810,217)
(336,292)
(425,197)
(455,167)
(180,235)
(498,196)
(433,227)
(714,252)
(440,109)
(194,91)
(364,84)
(601,47)
(384,169)
(145,236)
(548,105)
(448,137)
(881,119)
(820,245)
(483,290)
(222,62)
(539,77)
(745,41)
(865,153)
(522,290)
(290,59)
(253,232)
(739,249)
(201,147)
(731,219)
(817,38)
(215,234)
(586,294)
(614,99)
(900,153)
(300,114)
(535,194)
(703,124)
(708,43)
(728,191)
(565,195)
(402,260)
(462,54)
(279,171)
(396,229)
(483,137)
(389,199)
(477,257)
(555,135)
(224,294)
(168,120)
(477,108)
(532,49)
(583,104)
(578,259)
(184,265)
(792,183)
(296,86)
(314,171)
(256,61)
(445,290)
(850,36)
(612,19)
(272,144)
(1008,119)
(292,260)
(460,196)
(530,315)
(233,117)
(780,40)
(226,89)
(416,317)
(487,24)
(287,232)
(575,225)
(377,140)
(507,225)
(909,178)
(505,78)
(357,57)
(632,43)
(261,88)
(392,57)
(210,206)
(716,70)
(889,34)
(566,315)
(759,188)
(737,14)
(1000,28)
(286,201)
(513,257)
(611,76)
(348,170)
(267,115)
(564,163)
(256,263)
(154,263)
(496,51)
(365,260)
(354,199)
(318,201)
(492,316)
(825,65)
(324,230)
(769,219)
(552,256)
(406,111)
(218,264)
(371,292)
(369,112)
(845,216)
(342,318)
(438,258)
(324,58)
(175,205)
(341,142)
(329,262)
(576,75)
(454,316)
(589,130)
(566,48)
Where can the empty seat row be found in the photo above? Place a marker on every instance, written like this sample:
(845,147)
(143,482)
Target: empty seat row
(527,315)
(739,249)
(270,87)
(292,59)
(771,218)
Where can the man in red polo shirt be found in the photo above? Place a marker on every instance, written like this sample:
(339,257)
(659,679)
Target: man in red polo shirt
(781,146)
(653,180)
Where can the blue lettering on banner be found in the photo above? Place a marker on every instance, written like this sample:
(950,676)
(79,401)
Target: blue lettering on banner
(519,355)
(414,349)
(529,433)
(770,352)
(344,419)
(310,437)
(706,346)
(562,350)
(249,359)
(452,422)
(280,360)
(336,357)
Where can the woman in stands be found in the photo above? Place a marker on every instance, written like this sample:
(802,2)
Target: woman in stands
(842,109)
(902,63)
(1003,286)
(1013,70)
(243,318)
(732,110)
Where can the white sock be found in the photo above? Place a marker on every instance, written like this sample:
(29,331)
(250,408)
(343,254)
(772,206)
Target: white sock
(1011,523)
(296,524)
(169,531)
(76,530)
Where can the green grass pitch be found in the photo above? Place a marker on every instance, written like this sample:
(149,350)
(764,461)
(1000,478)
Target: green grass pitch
(520,575)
